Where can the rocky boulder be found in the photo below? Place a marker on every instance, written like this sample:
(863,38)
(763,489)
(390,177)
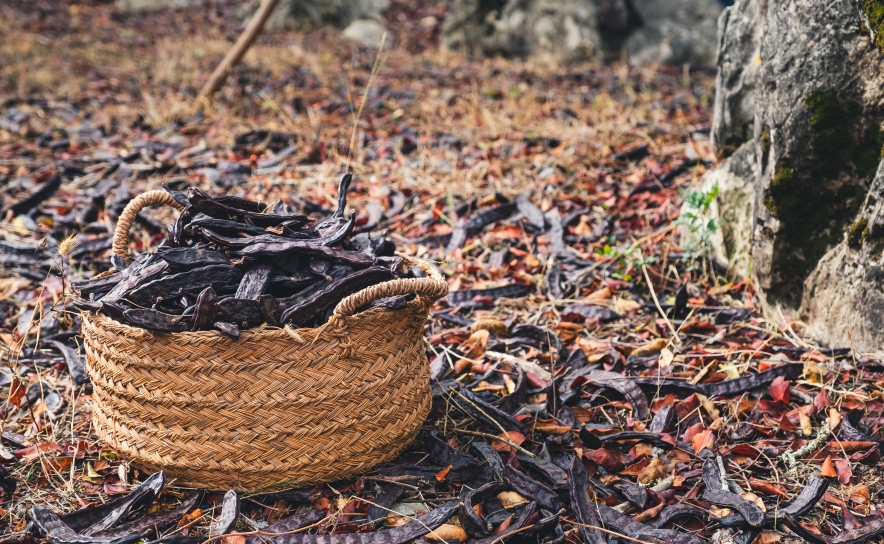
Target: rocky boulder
(565,30)
(648,31)
(674,32)
(813,75)
(313,14)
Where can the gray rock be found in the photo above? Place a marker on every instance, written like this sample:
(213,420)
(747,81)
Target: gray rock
(365,31)
(818,211)
(313,14)
(668,31)
(739,62)
(147,5)
(819,95)
(563,30)
(732,208)
(675,32)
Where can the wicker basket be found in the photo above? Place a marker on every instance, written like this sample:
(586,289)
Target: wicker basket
(277,407)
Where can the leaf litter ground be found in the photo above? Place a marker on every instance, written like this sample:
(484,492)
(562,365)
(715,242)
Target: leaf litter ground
(592,378)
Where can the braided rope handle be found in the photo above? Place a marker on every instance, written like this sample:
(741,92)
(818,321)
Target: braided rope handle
(130,212)
(429,289)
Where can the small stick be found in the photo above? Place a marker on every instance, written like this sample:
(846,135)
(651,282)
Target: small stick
(612,533)
(246,39)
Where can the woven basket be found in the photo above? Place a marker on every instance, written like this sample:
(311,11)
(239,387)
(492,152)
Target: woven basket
(279,407)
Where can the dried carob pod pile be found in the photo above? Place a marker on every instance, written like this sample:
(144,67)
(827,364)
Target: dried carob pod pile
(229,263)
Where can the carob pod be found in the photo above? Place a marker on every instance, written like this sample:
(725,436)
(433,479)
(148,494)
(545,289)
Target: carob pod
(583,507)
(513,401)
(205,309)
(675,511)
(271,309)
(464,467)
(654,439)
(519,521)
(73,361)
(228,228)
(34,199)
(752,514)
(289,523)
(154,320)
(789,371)
(377,512)
(636,529)
(475,526)
(528,487)
(849,430)
(336,237)
(490,416)
(200,201)
(532,213)
(807,498)
(138,499)
(791,522)
(490,456)
(336,272)
(272,249)
(398,535)
(56,532)
(229,513)
(241,310)
(662,420)
(333,293)
(97,286)
(159,521)
(542,464)
(336,219)
(143,271)
(191,281)
(625,387)
(514,290)
(230,329)
(192,257)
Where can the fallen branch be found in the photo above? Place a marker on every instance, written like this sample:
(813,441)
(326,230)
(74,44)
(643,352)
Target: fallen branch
(246,39)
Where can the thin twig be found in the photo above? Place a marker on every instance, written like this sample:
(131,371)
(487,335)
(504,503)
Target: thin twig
(612,533)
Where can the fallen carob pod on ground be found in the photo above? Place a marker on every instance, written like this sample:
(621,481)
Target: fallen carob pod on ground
(140,498)
(585,510)
(423,525)
(156,522)
(55,531)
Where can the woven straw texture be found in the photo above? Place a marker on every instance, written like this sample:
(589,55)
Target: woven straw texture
(279,407)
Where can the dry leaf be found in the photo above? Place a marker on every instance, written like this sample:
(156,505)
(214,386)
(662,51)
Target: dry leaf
(779,389)
(769,537)
(804,423)
(233,539)
(447,532)
(719,512)
(752,497)
(703,439)
(666,357)
(509,499)
(834,417)
(651,473)
(651,347)
(551,426)
(497,327)
(828,469)
(625,305)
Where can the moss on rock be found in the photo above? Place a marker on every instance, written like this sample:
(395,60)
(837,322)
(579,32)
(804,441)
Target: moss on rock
(867,154)
(874,12)
(857,233)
